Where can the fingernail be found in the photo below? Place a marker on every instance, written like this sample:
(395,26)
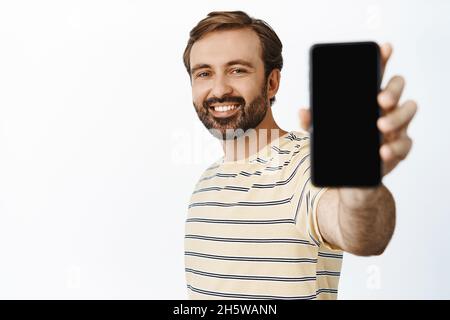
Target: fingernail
(386,98)
(381,122)
(386,152)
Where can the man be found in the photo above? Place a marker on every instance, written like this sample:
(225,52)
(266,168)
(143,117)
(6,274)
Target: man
(257,228)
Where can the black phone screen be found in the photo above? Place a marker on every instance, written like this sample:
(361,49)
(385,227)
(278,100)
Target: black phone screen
(345,141)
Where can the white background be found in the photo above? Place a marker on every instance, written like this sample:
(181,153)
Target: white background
(100,146)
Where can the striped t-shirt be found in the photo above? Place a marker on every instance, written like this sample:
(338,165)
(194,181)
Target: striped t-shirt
(252,231)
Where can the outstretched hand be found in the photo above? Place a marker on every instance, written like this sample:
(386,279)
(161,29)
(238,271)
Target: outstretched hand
(393,122)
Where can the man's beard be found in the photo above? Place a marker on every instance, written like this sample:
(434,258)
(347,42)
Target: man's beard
(248,116)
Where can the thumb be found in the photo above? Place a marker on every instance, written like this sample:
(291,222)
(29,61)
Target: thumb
(305,118)
(386,52)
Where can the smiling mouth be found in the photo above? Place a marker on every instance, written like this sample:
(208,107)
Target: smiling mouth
(224,111)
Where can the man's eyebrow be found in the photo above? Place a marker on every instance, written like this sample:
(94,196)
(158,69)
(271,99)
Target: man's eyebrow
(240,61)
(230,63)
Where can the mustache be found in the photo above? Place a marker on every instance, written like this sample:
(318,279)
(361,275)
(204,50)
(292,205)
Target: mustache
(213,100)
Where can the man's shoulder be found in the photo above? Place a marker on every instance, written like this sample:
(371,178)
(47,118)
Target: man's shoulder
(211,168)
(296,137)
(293,144)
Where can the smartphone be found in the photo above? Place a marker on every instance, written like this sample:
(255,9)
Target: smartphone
(345,80)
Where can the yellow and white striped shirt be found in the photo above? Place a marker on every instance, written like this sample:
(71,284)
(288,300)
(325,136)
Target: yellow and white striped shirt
(252,231)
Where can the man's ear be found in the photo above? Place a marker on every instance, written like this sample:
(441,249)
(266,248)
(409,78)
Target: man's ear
(273,83)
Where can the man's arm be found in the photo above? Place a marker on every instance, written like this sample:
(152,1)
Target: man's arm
(359,221)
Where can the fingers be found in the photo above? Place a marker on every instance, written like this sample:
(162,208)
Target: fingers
(389,97)
(398,118)
(396,150)
(305,118)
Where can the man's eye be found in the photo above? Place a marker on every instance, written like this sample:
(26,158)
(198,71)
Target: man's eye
(202,74)
(238,71)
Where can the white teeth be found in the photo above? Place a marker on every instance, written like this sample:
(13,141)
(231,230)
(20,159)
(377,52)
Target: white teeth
(224,108)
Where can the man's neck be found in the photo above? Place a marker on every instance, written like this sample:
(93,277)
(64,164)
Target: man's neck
(253,140)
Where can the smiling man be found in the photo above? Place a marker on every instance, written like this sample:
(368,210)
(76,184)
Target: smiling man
(256,227)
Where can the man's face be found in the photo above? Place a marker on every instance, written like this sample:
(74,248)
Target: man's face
(228,83)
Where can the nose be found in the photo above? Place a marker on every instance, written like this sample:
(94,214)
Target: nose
(221,87)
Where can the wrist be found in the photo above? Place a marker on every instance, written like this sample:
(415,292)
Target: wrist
(360,198)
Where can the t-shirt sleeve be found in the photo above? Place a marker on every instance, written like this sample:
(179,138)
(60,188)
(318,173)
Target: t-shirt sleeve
(305,213)
(306,195)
